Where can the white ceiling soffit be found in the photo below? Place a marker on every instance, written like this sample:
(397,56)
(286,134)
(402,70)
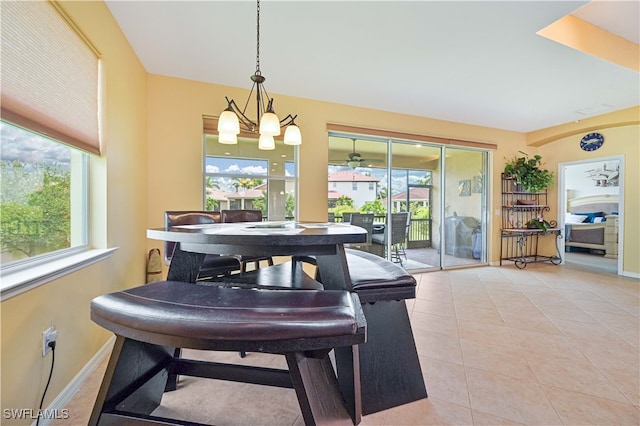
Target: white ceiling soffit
(473,62)
(618,17)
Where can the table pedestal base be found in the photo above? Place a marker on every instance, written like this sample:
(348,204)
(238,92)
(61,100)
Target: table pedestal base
(390,373)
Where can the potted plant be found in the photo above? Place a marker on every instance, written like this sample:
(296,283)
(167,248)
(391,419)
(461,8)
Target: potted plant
(538,223)
(528,173)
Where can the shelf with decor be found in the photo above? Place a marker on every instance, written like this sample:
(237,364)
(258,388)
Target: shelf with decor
(524,225)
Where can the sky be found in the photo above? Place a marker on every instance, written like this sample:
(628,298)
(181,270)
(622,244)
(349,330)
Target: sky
(17,144)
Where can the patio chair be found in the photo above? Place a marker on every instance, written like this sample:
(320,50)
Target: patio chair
(399,231)
(365,221)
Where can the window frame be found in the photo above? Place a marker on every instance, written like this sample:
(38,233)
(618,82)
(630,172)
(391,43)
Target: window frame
(78,200)
(53,122)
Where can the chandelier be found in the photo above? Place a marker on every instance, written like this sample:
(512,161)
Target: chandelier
(267,125)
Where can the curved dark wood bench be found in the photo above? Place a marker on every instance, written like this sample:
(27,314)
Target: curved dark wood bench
(151,321)
(376,279)
(390,372)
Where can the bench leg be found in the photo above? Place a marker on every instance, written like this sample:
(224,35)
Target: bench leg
(172,380)
(348,371)
(317,389)
(134,380)
(390,373)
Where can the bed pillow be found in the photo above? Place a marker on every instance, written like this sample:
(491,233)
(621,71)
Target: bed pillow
(592,216)
(599,219)
(574,218)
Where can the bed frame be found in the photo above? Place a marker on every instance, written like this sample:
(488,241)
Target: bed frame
(599,236)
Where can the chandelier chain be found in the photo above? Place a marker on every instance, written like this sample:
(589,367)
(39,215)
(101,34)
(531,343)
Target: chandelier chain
(258,39)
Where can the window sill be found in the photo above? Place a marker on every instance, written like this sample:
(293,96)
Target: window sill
(18,282)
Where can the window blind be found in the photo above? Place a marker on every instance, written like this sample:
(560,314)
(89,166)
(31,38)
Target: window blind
(408,136)
(50,75)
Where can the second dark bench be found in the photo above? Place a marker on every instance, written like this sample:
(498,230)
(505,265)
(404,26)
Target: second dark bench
(390,372)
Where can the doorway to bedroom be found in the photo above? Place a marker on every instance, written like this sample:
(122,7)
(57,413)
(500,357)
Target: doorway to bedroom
(590,203)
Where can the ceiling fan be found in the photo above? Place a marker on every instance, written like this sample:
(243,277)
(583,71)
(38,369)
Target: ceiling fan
(354,159)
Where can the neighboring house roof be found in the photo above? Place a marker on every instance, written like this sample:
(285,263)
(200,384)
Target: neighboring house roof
(216,194)
(414,194)
(334,195)
(346,176)
(246,193)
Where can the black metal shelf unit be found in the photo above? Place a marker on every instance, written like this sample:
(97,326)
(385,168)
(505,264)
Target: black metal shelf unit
(518,243)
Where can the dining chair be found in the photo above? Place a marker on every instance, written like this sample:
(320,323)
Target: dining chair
(234,216)
(213,265)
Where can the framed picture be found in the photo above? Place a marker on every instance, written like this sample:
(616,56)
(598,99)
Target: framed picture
(464,188)
(607,175)
(476,184)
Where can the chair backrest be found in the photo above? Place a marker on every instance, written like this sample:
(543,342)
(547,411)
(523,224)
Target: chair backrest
(346,217)
(231,216)
(185,217)
(363,220)
(399,227)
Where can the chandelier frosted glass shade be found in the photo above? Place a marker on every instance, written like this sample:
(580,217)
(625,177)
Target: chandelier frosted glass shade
(228,122)
(266,142)
(292,135)
(227,138)
(269,124)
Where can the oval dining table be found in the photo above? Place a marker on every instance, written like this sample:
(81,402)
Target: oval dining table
(324,241)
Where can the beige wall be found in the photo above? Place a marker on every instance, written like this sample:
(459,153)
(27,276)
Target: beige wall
(622,138)
(175,109)
(119,203)
(153,162)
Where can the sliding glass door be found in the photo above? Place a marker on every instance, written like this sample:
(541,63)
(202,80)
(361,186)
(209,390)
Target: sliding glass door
(438,189)
(464,210)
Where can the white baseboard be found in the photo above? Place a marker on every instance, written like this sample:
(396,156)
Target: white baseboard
(74,385)
(630,274)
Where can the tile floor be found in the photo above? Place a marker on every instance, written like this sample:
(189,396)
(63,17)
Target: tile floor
(547,345)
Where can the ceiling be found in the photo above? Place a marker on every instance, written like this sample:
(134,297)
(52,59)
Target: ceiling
(475,62)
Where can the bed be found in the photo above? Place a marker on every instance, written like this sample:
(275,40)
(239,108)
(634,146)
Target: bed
(591,222)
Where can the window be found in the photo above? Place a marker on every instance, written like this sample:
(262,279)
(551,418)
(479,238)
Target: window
(242,177)
(43,206)
(50,121)
(354,186)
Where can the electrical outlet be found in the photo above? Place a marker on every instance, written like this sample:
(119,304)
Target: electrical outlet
(49,335)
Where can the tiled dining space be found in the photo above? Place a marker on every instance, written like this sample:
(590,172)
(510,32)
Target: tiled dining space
(547,345)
